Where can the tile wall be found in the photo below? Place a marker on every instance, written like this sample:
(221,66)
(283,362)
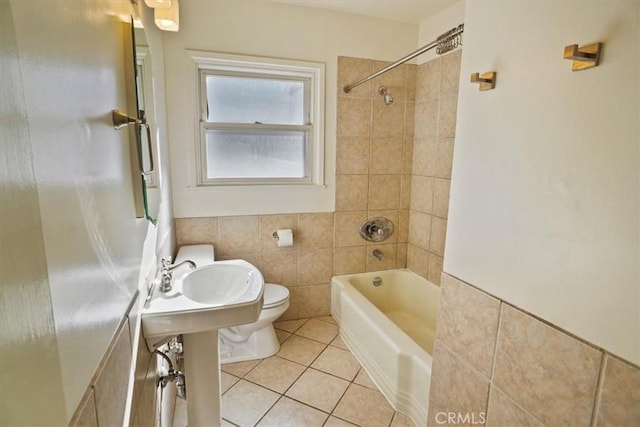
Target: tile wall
(434,131)
(493,362)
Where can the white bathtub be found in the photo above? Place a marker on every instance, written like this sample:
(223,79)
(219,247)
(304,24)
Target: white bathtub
(390,329)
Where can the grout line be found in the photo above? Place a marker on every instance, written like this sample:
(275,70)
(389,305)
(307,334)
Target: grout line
(495,344)
(598,393)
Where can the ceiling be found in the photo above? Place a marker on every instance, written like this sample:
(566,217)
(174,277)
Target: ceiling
(412,11)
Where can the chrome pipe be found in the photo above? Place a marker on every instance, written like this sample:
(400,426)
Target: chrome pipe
(454,32)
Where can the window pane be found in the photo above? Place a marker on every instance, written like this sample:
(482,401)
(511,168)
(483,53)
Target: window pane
(234,99)
(255,154)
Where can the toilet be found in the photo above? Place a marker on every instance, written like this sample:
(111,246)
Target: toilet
(254,340)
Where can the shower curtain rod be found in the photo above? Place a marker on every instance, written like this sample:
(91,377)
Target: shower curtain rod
(445,42)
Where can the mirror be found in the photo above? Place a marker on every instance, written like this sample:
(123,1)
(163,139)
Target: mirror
(147,140)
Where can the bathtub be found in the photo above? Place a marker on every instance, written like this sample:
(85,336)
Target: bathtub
(390,329)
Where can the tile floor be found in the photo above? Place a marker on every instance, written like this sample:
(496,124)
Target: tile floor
(313,380)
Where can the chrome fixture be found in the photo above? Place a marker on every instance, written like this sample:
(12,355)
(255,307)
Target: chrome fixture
(444,43)
(376,229)
(388,99)
(378,254)
(172,374)
(166,272)
(377,281)
(121,120)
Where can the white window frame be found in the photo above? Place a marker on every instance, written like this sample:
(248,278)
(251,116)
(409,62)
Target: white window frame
(311,73)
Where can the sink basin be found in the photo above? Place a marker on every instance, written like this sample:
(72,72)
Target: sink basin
(219,295)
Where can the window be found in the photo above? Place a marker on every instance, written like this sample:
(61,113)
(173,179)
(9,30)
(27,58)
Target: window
(260,121)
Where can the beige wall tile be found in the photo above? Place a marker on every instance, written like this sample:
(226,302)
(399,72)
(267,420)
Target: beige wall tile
(419,229)
(422,191)
(388,261)
(619,400)
(110,400)
(450,72)
(251,257)
(428,79)
(354,117)
(405,191)
(549,373)
(412,72)
(504,412)
(438,235)
(434,271)
(444,158)
(351,192)
(447,115)
(409,119)
(395,81)
(401,256)
(403,226)
(315,300)
(349,260)
(347,228)
(407,154)
(315,266)
(238,234)
(293,311)
(351,70)
(85,415)
(455,387)
(386,155)
(441,190)
(387,120)
(352,155)
(426,119)
(417,260)
(384,192)
(193,231)
(315,230)
(468,323)
(271,223)
(425,154)
(280,268)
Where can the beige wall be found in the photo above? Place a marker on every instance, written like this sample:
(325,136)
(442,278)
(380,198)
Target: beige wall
(494,362)
(545,190)
(435,123)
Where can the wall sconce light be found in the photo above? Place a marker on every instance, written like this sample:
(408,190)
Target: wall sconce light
(168,18)
(158,4)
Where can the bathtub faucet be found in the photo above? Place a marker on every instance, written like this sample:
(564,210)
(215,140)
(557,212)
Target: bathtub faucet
(378,254)
(166,272)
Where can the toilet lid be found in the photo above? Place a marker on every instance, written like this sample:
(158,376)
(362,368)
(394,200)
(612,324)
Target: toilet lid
(274,295)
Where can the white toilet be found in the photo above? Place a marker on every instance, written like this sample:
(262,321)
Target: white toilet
(254,340)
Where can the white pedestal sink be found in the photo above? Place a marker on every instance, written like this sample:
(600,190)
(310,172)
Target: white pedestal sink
(223,294)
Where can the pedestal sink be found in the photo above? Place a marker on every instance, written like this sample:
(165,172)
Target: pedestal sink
(223,294)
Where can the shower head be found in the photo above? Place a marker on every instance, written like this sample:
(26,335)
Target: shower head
(388,99)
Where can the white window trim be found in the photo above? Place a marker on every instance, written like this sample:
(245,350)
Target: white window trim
(313,71)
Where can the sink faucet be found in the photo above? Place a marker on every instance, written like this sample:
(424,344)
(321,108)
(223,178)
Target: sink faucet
(166,272)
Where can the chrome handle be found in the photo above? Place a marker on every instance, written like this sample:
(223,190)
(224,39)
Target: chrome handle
(121,120)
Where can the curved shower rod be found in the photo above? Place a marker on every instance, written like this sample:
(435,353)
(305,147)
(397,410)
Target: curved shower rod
(445,42)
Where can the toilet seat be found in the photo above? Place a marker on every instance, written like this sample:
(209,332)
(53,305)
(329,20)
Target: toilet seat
(274,295)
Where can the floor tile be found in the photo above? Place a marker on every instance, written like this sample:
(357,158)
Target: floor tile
(337,362)
(328,319)
(239,369)
(401,420)
(289,413)
(227,381)
(337,342)
(318,330)
(364,407)
(337,422)
(290,325)
(300,350)
(282,335)
(318,389)
(365,380)
(275,373)
(245,403)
